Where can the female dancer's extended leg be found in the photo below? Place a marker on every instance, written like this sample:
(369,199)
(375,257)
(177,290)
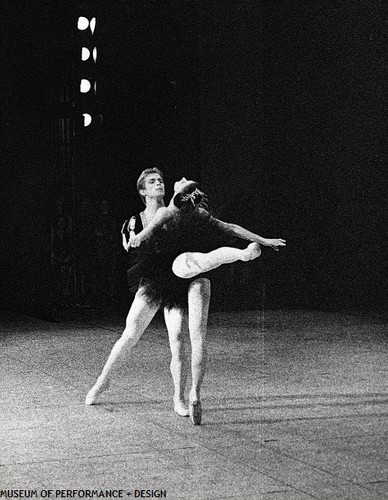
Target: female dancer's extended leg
(190,264)
(199,299)
(139,317)
(176,322)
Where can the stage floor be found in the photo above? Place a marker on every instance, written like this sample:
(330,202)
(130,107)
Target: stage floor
(295,406)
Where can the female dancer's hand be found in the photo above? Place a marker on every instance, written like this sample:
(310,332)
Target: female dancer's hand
(274,243)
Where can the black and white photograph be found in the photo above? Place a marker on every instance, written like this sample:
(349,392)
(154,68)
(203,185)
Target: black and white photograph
(193,259)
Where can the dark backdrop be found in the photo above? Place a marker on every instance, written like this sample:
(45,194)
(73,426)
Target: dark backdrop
(276,107)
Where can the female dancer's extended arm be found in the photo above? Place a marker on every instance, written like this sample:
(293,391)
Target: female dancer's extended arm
(165,214)
(240,232)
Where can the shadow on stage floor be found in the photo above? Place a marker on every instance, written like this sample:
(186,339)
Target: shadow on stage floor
(295,406)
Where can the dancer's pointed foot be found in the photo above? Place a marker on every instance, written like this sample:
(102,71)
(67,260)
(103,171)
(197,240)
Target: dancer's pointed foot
(181,408)
(99,387)
(252,251)
(195,408)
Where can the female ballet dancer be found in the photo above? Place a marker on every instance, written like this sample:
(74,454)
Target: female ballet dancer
(188,241)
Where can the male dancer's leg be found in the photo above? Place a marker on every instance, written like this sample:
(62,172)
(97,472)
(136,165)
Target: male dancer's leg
(176,323)
(190,264)
(139,317)
(199,299)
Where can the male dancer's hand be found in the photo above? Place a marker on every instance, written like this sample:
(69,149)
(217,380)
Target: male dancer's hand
(134,240)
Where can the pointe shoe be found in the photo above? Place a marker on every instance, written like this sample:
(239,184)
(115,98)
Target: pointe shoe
(195,408)
(181,409)
(252,251)
(96,390)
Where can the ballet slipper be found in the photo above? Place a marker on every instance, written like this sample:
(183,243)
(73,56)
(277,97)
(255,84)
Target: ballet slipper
(99,387)
(195,408)
(181,409)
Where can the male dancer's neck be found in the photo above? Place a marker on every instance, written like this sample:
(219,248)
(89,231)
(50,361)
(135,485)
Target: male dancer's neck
(153,204)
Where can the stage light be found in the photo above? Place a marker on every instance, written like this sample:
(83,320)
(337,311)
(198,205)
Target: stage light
(85,86)
(87,119)
(83,23)
(85,54)
(86,72)
(92,24)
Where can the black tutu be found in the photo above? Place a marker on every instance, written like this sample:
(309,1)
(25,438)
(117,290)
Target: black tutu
(192,230)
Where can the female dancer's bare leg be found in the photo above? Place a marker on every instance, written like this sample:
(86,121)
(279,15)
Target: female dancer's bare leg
(190,264)
(139,317)
(199,299)
(176,322)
